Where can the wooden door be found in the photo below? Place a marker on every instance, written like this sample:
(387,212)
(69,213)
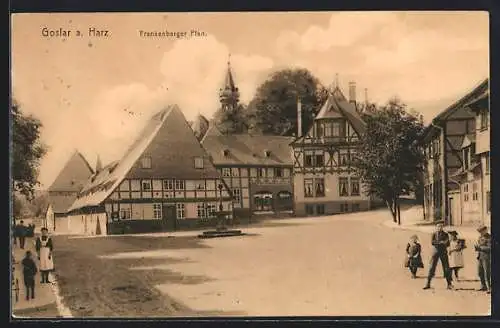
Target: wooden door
(169,217)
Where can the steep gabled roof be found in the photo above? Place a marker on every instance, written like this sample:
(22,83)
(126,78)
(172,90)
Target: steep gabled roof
(73,175)
(212,131)
(246,149)
(463,101)
(169,140)
(482,101)
(337,106)
(431,130)
(61,203)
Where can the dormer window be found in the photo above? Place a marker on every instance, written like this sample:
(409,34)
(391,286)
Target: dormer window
(146,162)
(198,162)
(267,153)
(226,152)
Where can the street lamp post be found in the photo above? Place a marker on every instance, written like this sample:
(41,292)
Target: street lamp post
(221,215)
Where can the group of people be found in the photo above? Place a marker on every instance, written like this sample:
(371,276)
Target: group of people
(448,248)
(43,247)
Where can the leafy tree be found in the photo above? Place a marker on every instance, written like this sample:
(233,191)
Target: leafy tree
(389,160)
(273,110)
(39,204)
(17,206)
(231,121)
(27,151)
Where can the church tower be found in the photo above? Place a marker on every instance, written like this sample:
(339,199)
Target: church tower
(229,95)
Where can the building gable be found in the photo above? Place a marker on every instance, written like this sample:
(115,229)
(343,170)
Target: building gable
(172,153)
(461,113)
(335,108)
(459,105)
(73,175)
(176,139)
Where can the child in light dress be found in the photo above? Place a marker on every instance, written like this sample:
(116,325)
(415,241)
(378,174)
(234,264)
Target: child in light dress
(455,252)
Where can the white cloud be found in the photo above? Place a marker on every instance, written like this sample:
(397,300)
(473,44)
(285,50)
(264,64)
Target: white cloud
(194,70)
(343,30)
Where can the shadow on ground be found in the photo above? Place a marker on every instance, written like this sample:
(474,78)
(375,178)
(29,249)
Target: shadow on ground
(92,286)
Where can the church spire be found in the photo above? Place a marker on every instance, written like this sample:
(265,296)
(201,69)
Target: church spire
(229,95)
(229,84)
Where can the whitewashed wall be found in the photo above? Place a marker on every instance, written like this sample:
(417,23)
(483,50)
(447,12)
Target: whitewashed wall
(82,224)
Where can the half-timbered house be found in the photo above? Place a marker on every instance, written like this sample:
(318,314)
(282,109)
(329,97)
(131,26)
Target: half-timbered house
(442,143)
(324,181)
(165,181)
(257,169)
(471,203)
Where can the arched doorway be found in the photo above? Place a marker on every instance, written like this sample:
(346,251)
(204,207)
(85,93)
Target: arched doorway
(284,201)
(263,201)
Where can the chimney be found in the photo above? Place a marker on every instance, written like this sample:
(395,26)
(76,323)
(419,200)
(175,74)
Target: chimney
(299,118)
(366,96)
(352,92)
(98,165)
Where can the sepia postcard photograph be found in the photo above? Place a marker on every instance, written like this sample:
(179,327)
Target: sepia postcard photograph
(250,164)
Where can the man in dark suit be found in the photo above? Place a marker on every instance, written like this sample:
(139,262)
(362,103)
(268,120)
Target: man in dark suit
(440,242)
(483,249)
(21,233)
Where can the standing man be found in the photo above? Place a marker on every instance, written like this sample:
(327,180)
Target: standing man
(21,233)
(440,242)
(483,249)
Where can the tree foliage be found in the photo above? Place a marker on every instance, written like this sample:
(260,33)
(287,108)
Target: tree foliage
(273,110)
(26,152)
(232,121)
(17,207)
(39,204)
(389,160)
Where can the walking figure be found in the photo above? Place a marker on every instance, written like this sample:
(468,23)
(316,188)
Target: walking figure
(414,256)
(29,272)
(456,253)
(21,233)
(483,249)
(440,242)
(44,247)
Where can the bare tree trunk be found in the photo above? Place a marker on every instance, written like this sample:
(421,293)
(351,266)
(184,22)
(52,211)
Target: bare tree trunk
(399,212)
(392,209)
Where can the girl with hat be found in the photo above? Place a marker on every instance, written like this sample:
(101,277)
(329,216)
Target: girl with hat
(414,256)
(456,253)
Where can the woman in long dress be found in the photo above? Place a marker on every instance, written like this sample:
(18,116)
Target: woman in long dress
(44,247)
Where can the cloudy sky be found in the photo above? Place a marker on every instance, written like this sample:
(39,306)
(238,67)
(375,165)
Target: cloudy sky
(82,88)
